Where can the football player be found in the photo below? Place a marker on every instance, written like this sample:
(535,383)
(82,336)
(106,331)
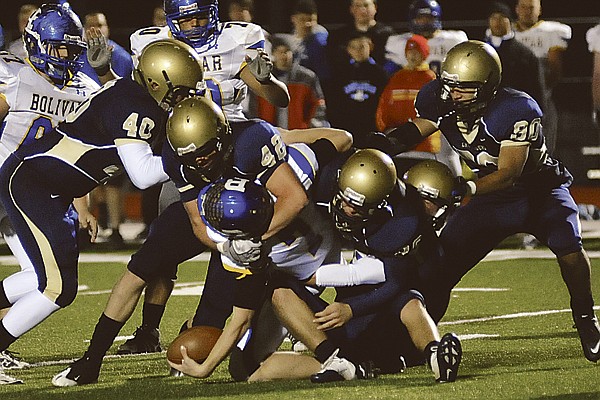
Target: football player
(390,226)
(107,134)
(233,60)
(35,95)
(519,187)
(202,146)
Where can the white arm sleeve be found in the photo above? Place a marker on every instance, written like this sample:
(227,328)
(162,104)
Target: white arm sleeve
(144,168)
(366,271)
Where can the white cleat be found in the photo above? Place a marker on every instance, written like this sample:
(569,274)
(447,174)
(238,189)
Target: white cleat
(8,380)
(8,360)
(61,379)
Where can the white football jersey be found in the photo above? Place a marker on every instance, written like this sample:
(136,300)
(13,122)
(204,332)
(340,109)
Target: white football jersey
(439,45)
(222,63)
(593,39)
(36,105)
(543,36)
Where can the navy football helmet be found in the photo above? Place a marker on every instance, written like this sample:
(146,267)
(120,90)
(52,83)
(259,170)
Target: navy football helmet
(425,8)
(200,37)
(54,42)
(237,208)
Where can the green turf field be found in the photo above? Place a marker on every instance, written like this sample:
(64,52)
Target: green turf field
(518,342)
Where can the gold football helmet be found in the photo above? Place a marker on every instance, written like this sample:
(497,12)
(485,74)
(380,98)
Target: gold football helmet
(471,65)
(200,136)
(170,70)
(434,182)
(365,181)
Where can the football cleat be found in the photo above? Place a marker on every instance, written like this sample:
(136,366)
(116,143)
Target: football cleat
(335,369)
(589,334)
(9,360)
(445,358)
(81,372)
(8,380)
(144,340)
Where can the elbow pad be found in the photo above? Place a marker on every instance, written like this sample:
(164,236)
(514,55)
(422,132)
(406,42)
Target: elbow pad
(404,137)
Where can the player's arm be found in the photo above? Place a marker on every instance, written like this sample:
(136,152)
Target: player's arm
(256,73)
(341,139)
(233,332)
(511,161)
(4,107)
(404,137)
(143,167)
(290,195)
(198,226)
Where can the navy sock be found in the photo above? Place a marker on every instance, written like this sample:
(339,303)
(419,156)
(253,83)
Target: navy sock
(6,339)
(324,350)
(152,314)
(104,335)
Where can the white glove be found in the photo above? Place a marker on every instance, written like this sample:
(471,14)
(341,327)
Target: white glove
(241,252)
(99,53)
(261,66)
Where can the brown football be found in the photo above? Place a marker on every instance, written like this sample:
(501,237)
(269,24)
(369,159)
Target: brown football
(198,340)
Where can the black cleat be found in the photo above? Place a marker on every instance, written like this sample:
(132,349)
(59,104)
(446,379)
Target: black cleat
(144,340)
(81,372)
(444,362)
(589,334)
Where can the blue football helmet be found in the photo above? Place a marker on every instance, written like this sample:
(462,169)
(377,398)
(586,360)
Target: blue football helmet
(200,37)
(237,208)
(426,8)
(54,42)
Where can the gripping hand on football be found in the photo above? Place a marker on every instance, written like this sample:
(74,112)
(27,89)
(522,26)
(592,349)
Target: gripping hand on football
(190,367)
(261,66)
(240,251)
(99,52)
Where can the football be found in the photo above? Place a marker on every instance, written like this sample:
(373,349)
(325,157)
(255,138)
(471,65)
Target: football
(198,340)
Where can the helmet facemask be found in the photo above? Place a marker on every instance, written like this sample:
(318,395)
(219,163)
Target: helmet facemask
(200,37)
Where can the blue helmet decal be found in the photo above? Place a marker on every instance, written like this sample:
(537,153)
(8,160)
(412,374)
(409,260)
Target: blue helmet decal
(420,8)
(237,208)
(201,37)
(54,42)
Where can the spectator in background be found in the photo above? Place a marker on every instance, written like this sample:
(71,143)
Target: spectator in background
(310,39)
(1,38)
(363,21)
(520,67)
(109,197)
(425,19)
(17,46)
(548,40)
(593,39)
(355,90)
(243,11)
(307,103)
(158,16)
(396,104)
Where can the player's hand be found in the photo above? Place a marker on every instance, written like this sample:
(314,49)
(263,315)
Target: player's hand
(190,367)
(241,251)
(261,66)
(463,188)
(90,223)
(334,315)
(99,53)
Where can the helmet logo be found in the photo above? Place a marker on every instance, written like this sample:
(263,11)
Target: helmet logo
(73,38)
(354,197)
(428,191)
(186,8)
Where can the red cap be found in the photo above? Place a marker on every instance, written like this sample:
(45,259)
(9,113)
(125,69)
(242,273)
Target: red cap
(418,42)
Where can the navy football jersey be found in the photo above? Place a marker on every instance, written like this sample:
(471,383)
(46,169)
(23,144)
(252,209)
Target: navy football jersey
(257,152)
(511,116)
(81,152)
